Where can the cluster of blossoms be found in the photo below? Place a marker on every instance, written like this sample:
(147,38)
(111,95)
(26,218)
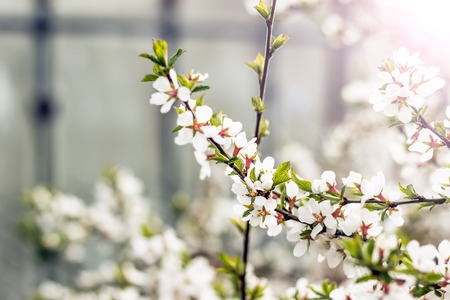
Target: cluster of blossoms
(405,83)
(430,262)
(322,218)
(56,222)
(142,261)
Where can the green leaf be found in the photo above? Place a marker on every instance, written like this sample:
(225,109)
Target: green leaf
(258,105)
(149,77)
(302,184)
(200,88)
(408,191)
(152,58)
(146,231)
(257,65)
(176,129)
(220,158)
(183,80)
(281,173)
(432,277)
(175,57)
(279,41)
(199,101)
(253,175)
(439,126)
(264,128)
(419,291)
(365,278)
(160,49)
(262,9)
(238,224)
(283,195)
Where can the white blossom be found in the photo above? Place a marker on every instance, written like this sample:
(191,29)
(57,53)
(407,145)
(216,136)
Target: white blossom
(168,91)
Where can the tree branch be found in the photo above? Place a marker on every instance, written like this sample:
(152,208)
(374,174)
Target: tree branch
(267,56)
(427,125)
(417,200)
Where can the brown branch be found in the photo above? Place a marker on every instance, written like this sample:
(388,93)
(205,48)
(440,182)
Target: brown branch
(424,123)
(267,56)
(393,204)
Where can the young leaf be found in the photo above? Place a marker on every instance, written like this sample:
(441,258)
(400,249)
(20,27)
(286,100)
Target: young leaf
(258,105)
(439,126)
(238,224)
(281,173)
(279,41)
(152,58)
(161,51)
(264,128)
(149,77)
(302,184)
(200,88)
(176,129)
(257,65)
(408,191)
(173,59)
(262,9)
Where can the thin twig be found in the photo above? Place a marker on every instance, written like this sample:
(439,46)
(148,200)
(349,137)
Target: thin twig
(427,125)
(245,261)
(267,56)
(393,204)
(262,88)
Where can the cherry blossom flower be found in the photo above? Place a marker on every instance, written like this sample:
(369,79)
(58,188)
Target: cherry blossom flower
(423,257)
(168,91)
(329,250)
(196,129)
(264,173)
(405,83)
(441,177)
(229,129)
(425,142)
(297,233)
(327,182)
(353,180)
(372,187)
(301,290)
(355,217)
(294,194)
(203,159)
(197,77)
(444,259)
(318,215)
(245,150)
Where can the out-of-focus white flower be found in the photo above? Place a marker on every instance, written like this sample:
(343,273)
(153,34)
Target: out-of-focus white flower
(354,217)
(405,83)
(372,187)
(301,290)
(441,179)
(425,142)
(423,257)
(197,77)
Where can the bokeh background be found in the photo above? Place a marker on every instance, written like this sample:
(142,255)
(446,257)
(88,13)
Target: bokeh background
(71,100)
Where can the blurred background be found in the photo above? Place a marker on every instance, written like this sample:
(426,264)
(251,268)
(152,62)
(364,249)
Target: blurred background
(71,100)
